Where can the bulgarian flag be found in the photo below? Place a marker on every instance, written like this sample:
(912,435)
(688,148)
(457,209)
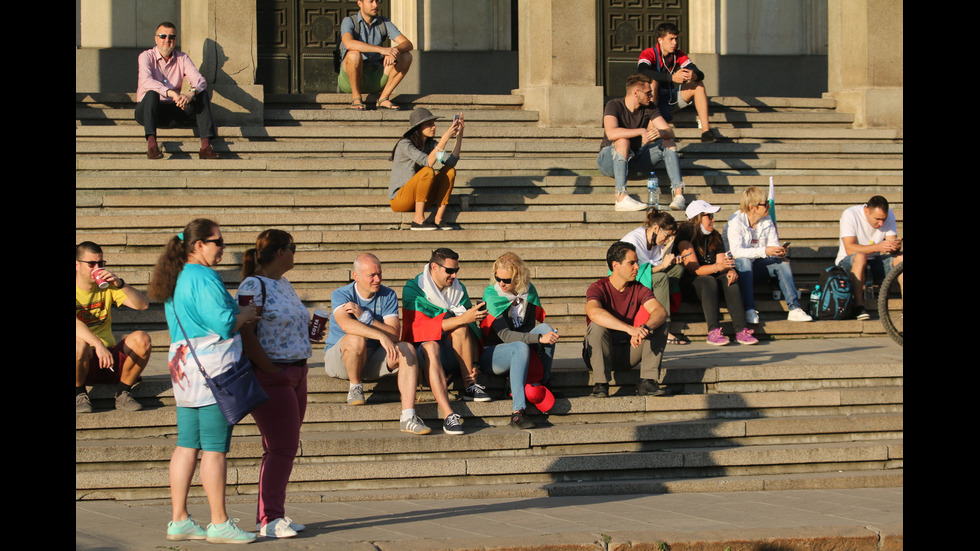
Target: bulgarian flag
(422,318)
(772,202)
(498,304)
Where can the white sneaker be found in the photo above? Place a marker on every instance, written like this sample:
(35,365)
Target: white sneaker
(278,528)
(294,525)
(797,314)
(630,204)
(678,203)
(751,316)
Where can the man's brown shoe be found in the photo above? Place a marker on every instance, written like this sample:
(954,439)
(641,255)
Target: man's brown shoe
(208,153)
(153,152)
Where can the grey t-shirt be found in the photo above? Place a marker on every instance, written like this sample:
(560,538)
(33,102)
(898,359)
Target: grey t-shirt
(408,160)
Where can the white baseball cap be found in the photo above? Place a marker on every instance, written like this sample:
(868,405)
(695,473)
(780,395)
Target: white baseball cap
(699,206)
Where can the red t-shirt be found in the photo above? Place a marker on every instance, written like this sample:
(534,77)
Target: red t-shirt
(623,305)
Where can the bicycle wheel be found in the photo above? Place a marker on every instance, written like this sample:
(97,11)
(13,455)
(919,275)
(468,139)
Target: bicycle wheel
(891,305)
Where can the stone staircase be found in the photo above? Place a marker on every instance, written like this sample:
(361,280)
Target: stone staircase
(531,190)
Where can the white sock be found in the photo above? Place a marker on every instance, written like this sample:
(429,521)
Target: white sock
(408,414)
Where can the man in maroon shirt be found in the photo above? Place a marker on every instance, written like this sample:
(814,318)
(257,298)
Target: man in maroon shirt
(161,74)
(626,325)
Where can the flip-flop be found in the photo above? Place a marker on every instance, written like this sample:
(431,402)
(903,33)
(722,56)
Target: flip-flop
(391,105)
(678,339)
(357,105)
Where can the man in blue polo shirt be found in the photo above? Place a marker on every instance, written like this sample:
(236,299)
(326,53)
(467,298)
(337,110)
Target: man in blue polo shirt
(366,65)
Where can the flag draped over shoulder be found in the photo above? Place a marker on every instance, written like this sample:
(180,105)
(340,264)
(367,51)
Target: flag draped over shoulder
(497,305)
(422,318)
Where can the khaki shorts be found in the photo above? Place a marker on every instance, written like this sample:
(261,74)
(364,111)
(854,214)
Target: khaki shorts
(375,366)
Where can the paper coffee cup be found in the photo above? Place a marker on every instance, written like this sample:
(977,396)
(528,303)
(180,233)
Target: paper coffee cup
(244,299)
(318,324)
(100,278)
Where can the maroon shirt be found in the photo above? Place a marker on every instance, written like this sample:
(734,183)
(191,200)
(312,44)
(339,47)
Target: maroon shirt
(622,305)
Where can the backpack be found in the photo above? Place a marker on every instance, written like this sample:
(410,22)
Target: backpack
(832,298)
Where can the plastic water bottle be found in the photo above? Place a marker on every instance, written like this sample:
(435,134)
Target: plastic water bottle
(814,300)
(653,191)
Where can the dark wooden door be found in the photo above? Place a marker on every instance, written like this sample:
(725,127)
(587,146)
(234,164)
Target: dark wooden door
(626,28)
(298,44)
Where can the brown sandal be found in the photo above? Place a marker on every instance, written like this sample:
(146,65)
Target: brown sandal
(357,105)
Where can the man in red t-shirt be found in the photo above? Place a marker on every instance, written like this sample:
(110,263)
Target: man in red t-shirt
(625,322)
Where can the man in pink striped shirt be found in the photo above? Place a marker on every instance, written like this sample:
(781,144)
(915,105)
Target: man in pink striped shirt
(162,71)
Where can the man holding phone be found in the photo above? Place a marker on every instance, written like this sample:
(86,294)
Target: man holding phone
(868,237)
(442,322)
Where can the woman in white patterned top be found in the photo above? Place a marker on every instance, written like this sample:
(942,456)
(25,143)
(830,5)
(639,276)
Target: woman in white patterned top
(278,345)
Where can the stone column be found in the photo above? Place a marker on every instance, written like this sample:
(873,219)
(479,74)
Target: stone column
(221,36)
(557,62)
(864,59)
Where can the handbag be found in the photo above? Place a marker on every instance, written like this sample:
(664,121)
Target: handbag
(237,391)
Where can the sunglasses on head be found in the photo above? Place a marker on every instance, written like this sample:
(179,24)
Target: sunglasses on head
(449,271)
(94,263)
(505,281)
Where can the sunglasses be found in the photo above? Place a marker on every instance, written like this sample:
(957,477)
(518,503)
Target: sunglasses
(219,241)
(505,281)
(166,36)
(449,271)
(291,247)
(94,263)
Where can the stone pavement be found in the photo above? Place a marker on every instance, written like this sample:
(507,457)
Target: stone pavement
(849,519)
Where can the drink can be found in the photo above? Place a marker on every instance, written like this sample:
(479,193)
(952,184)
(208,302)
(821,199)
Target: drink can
(318,324)
(100,278)
(244,299)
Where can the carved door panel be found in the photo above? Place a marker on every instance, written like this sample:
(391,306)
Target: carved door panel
(298,44)
(626,28)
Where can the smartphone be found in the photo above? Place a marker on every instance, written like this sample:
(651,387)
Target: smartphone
(456,118)
(786,244)
(481,305)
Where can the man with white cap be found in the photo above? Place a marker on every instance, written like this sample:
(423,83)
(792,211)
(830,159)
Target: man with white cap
(636,138)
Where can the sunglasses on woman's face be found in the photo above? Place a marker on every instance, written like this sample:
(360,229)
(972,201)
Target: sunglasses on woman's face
(505,281)
(220,242)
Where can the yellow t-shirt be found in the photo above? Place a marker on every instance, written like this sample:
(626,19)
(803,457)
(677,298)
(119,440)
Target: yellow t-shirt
(94,308)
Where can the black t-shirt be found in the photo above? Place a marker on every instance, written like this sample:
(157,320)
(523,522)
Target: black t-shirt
(629,119)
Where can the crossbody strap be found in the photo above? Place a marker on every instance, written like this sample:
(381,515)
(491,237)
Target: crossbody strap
(188,341)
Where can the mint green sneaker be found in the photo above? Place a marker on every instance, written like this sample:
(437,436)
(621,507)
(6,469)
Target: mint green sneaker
(229,532)
(186,529)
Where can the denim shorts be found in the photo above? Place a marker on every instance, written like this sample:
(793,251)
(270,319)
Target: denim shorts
(880,265)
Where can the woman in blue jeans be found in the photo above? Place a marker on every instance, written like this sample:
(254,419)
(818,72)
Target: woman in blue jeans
(751,237)
(514,329)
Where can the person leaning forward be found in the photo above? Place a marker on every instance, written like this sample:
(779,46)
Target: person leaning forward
(625,324)
(161,74)
(99,359)
(366,65)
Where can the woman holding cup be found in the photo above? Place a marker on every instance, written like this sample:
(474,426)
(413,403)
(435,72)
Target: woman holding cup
(204,323)
(278,346)
(710,272)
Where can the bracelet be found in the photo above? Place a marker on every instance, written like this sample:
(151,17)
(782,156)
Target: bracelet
(122,283)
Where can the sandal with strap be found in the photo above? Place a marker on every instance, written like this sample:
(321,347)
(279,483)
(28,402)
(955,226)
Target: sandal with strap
(356,105)
(391,105)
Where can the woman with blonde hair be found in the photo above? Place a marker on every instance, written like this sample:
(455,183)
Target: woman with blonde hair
(203,317)
(751,237)
(279,346)
(515,326)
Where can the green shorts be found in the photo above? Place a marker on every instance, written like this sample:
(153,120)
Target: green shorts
(373,80)
(204,428)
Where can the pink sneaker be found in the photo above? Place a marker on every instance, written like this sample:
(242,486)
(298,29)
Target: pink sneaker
(745,337)
(716,338)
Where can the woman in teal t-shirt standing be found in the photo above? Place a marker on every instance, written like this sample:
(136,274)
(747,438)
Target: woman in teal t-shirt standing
(200,314)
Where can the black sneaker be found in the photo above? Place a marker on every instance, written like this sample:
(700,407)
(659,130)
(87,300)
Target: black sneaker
(646,387)
(519,420)
(601,390)
(860,314)
(476,393)
(710,136)
(424,226)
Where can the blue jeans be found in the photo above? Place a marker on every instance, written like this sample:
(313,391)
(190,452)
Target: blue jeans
(752,269)
(514,357)
(611,163)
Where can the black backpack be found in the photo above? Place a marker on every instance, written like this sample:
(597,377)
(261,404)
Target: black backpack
(832,298)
